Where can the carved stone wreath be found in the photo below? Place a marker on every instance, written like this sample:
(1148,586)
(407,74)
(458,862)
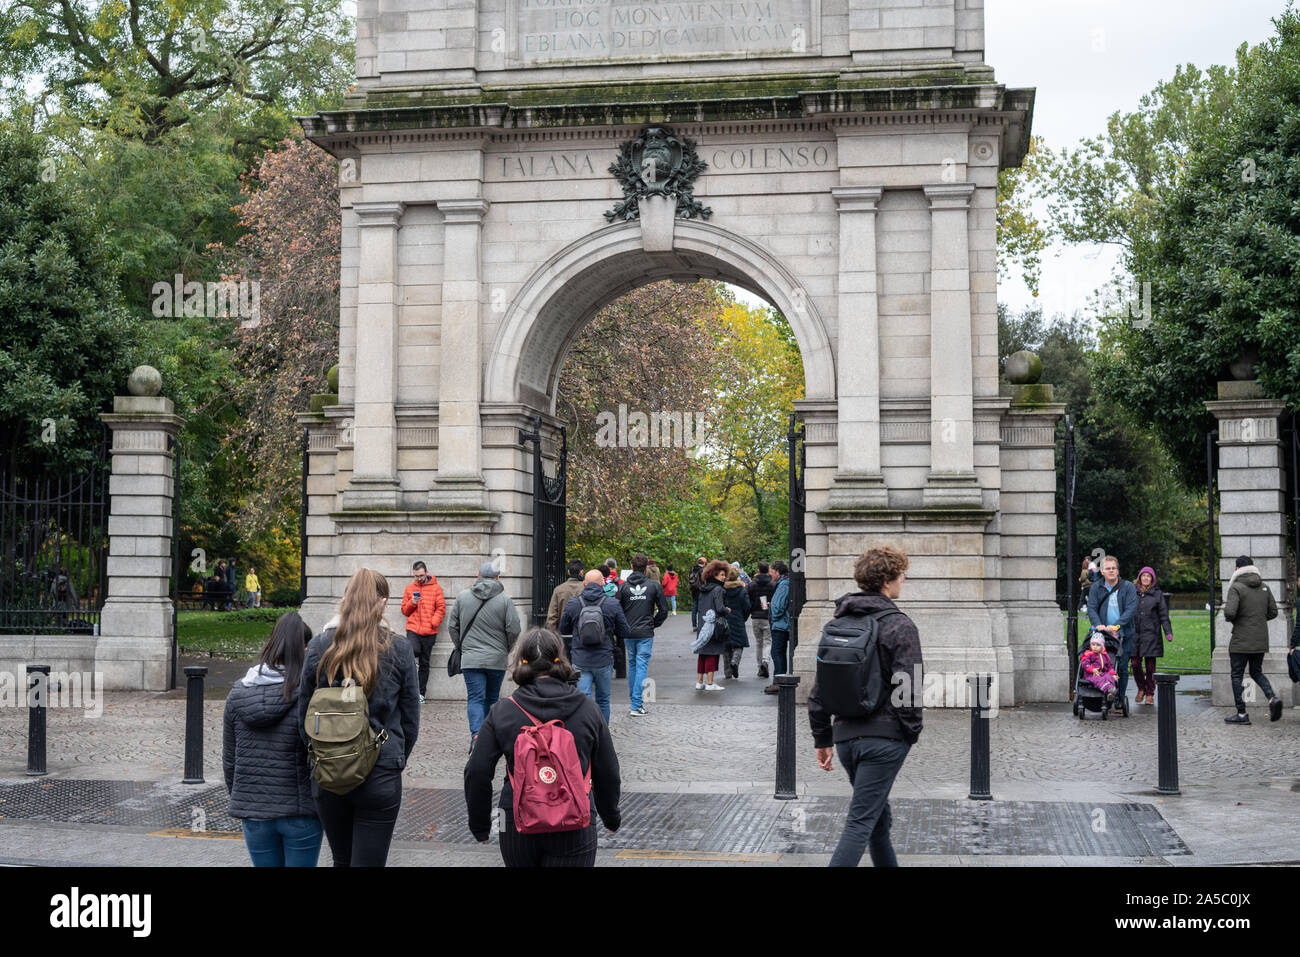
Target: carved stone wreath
(657,163)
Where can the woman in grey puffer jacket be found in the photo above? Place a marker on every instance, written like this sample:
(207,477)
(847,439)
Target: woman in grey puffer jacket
(265,761)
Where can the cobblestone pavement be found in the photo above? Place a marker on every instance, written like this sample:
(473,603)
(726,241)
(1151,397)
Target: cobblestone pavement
(1238,783)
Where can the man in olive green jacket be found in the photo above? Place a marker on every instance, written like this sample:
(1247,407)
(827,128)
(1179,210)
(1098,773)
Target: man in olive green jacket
(1250,606)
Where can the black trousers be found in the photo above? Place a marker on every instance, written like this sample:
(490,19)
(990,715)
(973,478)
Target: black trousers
(1239,663)
(360,824)
(422,645)
(565,849)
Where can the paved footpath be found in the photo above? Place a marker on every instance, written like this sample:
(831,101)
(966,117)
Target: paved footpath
(698,777)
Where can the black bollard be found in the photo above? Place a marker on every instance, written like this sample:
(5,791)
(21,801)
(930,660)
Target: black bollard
(38,691)
(979,737)
(1167,732)
(785,740)
(194,724)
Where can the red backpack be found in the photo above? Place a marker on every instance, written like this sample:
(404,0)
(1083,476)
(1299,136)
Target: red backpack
(551,792)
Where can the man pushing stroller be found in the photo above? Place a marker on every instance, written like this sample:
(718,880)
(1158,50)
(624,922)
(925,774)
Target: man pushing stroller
(1112,605)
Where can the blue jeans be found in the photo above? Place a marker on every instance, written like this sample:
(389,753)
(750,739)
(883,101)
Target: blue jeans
(1121,668)
(780,640)
(672,600)
(872,764)
(695,608)
(638,666)
(483,688)
(601,679)
(284,841)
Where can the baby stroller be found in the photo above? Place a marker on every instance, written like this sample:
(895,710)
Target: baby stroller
(1087,696)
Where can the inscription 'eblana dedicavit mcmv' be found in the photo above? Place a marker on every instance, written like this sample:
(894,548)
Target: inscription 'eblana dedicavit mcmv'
(549,30)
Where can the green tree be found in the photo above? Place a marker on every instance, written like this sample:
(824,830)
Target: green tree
(64,335)
(757,381)
(1223,260)
(649,352)
(1021,236)
(143,69)
(1128,501)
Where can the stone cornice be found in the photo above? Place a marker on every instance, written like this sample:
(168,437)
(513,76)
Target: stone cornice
(431,116)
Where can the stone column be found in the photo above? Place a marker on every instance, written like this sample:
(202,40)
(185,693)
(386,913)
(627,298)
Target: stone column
(374,483)
(1027,535)
(951,481)
(459,483)
(1252,521)
(858,480)
(135,632)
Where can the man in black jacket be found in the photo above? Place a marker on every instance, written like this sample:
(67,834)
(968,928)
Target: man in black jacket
(760,600)
(873,748)
(596,661)
(643,602)
(693,579)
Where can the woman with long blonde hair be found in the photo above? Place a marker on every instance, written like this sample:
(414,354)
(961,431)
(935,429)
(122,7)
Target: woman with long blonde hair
(358,645)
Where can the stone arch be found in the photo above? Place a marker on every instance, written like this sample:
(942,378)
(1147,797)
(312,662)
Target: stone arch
(573,285)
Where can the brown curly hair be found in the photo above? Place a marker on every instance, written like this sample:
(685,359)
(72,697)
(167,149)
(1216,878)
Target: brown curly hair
(879,565)
(711,570)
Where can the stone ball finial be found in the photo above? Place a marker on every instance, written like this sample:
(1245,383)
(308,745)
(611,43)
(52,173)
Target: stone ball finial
(332,377)
(144,381)
(1243,367)
(1024,368)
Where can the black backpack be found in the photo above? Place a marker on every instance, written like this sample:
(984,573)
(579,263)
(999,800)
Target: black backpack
(850,683)
(591,623)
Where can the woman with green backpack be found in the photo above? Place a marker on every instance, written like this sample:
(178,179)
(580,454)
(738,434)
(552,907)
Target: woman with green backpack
(359,706)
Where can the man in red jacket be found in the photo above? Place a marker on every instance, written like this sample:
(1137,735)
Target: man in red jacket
(423,605)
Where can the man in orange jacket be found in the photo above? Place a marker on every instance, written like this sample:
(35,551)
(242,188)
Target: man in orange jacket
(423,605)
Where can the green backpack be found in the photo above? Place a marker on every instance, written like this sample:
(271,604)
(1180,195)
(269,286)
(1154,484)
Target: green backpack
(341,744)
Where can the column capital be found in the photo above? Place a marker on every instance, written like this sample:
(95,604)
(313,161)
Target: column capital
(463,210)
(378,214)
(950,195)
(857,198)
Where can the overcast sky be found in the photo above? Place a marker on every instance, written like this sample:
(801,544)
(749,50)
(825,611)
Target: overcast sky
(1089,58)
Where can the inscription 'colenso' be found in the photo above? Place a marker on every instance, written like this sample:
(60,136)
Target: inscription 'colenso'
(722,159)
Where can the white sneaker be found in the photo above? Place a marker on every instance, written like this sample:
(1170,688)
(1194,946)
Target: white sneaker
(638,712)
(421,699)
(699,686)
(715,687)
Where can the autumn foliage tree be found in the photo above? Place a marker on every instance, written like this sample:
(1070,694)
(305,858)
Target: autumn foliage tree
(651,352)
(291,247)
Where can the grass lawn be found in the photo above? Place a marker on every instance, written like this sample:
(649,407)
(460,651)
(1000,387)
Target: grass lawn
(230,633)
(1190,649)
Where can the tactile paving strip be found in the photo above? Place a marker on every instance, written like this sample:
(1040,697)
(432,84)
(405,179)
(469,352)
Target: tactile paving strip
(722,823)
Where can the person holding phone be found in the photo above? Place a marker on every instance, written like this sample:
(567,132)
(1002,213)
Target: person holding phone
(424,606)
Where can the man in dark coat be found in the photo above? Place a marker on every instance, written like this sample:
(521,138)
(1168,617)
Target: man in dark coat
(595,661)
(873,747)
(696,582)
(1250,606)
(761,590)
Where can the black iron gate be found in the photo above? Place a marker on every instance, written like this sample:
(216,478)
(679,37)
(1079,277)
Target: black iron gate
(798,534)
(549,515)
(54,549)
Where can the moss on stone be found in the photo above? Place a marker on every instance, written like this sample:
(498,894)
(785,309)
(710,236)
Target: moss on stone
(769,96)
